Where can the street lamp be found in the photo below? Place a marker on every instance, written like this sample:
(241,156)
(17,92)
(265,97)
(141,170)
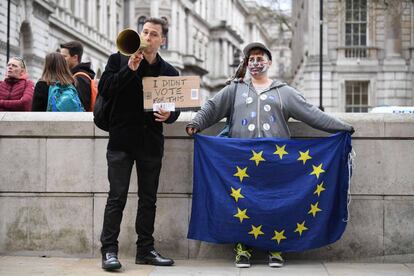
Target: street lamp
(320,53)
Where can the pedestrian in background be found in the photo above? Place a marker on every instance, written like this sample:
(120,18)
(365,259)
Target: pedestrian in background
(16,90)
(56,79)
(72,52)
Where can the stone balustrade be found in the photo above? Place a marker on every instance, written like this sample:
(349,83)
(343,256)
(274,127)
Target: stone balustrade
(53,189)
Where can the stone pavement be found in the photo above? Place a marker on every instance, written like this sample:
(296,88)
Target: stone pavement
(22,266)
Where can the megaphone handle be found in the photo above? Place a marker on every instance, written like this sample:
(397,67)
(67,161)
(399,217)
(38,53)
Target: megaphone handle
(135,60)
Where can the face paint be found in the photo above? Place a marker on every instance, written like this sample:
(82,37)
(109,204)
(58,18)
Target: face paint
(257,65)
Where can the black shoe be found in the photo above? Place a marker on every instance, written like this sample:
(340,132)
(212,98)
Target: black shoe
(153,258)
(110,261)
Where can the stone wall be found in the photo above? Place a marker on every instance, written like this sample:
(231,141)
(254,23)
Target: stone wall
(53,190)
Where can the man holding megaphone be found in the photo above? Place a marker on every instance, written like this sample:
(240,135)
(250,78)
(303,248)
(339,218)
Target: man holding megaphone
(135,136)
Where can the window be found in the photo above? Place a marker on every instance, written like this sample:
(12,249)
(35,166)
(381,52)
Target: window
(141,21)
(356,25)
(356,93)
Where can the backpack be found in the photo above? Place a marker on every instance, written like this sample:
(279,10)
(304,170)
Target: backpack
(63,98)
(103,111)
(94,89)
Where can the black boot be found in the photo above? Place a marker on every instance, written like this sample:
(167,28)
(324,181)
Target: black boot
(110,261)
(153,258)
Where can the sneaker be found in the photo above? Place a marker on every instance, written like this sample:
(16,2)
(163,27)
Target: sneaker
(242,256)
(275,259)
(110,261)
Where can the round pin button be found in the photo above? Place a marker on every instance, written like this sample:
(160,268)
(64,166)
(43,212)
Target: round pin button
(249,100)
(263,97)
(266,126)
(267,108)
(251,127)
(244,122)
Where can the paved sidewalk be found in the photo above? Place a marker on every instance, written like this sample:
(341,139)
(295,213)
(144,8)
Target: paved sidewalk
(22,266)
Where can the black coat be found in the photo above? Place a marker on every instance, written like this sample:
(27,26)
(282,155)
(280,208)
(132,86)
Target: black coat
(131,129)
(83,84)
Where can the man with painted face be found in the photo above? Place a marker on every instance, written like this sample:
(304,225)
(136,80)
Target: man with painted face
(261,107)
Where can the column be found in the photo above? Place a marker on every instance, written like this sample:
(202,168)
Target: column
(191,36)
(155,8)
(216,57)
(112,20)
(173,26)
(92,13)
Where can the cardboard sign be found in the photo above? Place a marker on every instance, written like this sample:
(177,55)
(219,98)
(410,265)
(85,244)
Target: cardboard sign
(171,93)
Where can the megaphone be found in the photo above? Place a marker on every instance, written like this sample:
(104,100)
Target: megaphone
(129,42)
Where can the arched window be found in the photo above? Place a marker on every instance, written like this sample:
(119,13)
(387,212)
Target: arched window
(165,46)
(141,21)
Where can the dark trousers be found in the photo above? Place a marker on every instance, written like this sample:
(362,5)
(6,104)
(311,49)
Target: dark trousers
(119,173)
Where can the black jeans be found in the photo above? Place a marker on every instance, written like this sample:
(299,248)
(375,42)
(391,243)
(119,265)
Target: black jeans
(119,173)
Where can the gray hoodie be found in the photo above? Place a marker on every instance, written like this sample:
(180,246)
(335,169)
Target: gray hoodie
(263,114)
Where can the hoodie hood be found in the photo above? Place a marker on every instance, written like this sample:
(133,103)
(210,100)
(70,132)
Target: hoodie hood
(275,83)
(84,67)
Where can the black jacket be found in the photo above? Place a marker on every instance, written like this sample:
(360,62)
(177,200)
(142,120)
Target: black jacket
(131,129)
(83,85)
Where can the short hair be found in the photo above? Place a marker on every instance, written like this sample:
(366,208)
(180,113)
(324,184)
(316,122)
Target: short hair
(74,47)
(21,60)
(158,21)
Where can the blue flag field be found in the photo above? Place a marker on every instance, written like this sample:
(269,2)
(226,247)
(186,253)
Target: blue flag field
(270,193)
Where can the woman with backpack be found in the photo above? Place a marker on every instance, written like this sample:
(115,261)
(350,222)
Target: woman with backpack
(55,90)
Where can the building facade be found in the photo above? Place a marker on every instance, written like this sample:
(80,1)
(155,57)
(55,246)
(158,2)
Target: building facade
(205,36)
(38,27)
(368,53)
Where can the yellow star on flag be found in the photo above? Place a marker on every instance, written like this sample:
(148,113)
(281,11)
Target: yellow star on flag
(279,236)
(319,189)
(300,228)
(314,209)
(256,231)
(304,156)
(280,151)
(257,157)
(241,173)
(241,214)
(236,194)
(317,170)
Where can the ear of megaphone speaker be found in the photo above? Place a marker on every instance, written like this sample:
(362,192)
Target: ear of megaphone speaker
(129,42)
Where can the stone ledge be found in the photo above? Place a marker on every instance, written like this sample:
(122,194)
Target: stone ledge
(81,125)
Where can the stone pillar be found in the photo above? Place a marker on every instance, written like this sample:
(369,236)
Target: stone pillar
(112,20)
(191,36)
(92,13)
(155,8)
(216,57)
(173,26)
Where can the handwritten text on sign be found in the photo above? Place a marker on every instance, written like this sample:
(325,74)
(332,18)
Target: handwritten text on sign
(171,93)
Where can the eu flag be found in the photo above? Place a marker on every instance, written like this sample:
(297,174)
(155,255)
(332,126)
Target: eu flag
(270,193)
